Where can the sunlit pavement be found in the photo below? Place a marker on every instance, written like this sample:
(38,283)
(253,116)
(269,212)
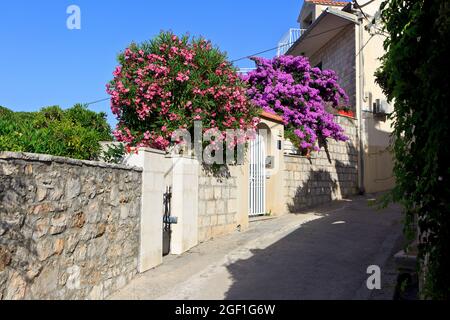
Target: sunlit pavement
(321,254)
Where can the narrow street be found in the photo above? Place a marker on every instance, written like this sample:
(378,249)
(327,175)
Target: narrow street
(320,254)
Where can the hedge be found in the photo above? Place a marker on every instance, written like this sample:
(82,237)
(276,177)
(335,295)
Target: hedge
(74,132)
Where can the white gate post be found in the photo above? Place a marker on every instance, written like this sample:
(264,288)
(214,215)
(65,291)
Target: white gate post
(155,166)
(184,204)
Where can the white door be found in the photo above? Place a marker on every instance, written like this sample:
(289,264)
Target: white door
(257,180)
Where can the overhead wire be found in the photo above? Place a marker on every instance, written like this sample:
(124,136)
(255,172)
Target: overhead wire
(279,46)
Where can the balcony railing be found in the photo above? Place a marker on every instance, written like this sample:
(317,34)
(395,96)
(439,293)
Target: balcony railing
(288,40)
(245,70)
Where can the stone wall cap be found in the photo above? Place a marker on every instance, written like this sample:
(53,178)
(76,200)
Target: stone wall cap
(138,149)
(7,155)
(292,155)
(341,116)
(150,150)
(180,156)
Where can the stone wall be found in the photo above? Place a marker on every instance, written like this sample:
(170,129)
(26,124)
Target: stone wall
(69,229)
(339,55)
(327,176)
(218,205)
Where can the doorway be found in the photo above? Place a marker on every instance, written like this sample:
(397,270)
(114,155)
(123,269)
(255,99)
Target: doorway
(257,177)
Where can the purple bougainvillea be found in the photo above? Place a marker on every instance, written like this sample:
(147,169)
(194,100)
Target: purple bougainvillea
(290,87)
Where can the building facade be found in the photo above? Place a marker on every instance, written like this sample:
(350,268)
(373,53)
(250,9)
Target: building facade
(342,36)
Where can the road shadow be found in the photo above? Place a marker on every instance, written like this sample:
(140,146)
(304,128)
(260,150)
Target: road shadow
(321,187)
(323,259)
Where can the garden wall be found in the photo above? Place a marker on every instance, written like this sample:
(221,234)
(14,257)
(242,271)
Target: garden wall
(72,229)
(329,175)
(218,204)
(69,229)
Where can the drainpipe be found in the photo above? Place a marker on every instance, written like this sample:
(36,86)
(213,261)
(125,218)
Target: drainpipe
(360,103)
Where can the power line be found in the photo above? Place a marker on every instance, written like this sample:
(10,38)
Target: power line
(287,44)
(268,50)
(360,9)
(97,101)
(367,3)
(371,23)
(261,52)
(367,42)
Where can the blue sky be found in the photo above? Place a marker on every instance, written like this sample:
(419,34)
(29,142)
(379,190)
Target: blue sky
(43,63)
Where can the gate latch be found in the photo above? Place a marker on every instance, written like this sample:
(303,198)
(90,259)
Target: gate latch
(270,162)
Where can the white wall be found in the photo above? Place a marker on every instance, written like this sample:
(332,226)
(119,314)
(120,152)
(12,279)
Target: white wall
(185,178)
(159,172)
(153,186)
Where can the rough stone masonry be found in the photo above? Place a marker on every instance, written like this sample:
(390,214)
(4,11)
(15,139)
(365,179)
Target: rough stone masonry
(331,174)
(69,229)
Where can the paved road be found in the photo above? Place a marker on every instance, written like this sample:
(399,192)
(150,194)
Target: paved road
(322,254)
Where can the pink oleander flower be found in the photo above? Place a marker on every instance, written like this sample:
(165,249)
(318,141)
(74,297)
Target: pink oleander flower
(142,90)
(182,77)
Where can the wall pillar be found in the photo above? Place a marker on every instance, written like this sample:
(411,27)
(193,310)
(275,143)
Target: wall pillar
(154,165)
(185,172)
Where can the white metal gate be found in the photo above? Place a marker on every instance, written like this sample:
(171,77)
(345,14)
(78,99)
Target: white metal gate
(257,179)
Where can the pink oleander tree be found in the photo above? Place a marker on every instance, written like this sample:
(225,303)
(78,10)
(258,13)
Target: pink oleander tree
(169,83)
(290,87)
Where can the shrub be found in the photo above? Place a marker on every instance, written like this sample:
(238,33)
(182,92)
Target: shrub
(74,132)
(168,83)
(114,153)
(290,87)
(414,74)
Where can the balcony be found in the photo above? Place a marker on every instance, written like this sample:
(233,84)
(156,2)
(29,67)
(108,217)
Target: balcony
(244,71)
(288,40)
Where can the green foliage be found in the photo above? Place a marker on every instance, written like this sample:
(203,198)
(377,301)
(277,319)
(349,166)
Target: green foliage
(289,134)
(114,154)
(166,84)
(74,132)
(414,75)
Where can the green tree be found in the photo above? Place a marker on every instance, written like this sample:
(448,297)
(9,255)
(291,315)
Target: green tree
(75,132)
(414,75)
